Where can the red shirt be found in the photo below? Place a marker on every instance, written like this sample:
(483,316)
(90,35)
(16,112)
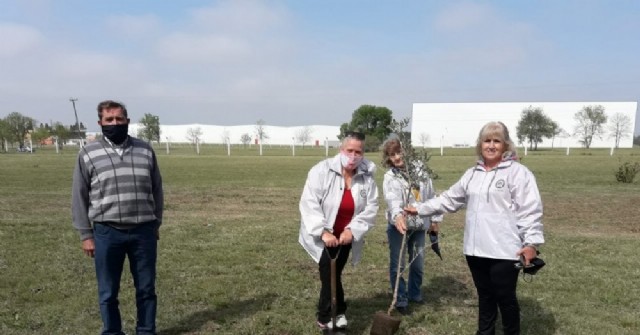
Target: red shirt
(345,213)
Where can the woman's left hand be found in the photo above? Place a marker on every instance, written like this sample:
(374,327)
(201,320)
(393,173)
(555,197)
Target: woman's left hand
(346,237)
(529,253)
(410,210)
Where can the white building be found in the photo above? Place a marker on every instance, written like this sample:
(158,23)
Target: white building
(458,124)
(219,134)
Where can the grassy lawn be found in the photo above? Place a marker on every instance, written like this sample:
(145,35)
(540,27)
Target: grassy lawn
(229,260)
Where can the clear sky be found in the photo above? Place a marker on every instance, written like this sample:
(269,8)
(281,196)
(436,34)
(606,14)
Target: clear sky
(304,62)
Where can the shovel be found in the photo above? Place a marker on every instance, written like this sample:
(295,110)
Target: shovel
(384,323)
(334,300)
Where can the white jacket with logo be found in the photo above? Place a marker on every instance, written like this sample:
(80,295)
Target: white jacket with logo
(321,198)
(395,189)
(504,209)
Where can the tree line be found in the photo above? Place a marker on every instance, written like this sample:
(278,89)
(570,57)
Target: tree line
(15,127)
(374,121)
(591,122)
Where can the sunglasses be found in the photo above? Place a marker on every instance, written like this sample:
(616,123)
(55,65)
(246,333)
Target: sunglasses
(354,134)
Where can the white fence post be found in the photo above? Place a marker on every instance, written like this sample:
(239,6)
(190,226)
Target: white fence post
(326,147)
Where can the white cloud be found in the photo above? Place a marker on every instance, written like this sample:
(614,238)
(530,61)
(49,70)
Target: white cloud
(131,26)
(188,48)
(240,16)
(18,39)
(463,16)
(477,37)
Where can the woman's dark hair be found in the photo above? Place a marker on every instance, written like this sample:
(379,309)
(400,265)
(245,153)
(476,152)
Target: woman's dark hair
(389,147)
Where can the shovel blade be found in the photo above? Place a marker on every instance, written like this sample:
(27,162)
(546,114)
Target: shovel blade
(384,324)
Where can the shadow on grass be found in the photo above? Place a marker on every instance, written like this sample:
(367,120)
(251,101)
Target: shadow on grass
(535,319)
(441,291)
(211,319)
(447,291)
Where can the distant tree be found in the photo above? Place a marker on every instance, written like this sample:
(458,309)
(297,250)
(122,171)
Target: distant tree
(556,131)
(424,139)
(245,139)
(150,128)
(303,135)
(61,132)
(619,127)
(533,126)
(18,126)
(636,140)
(261,132)
(4,135)
(39,135)
(77,132)
(590,121)
(194,135)
(373,121)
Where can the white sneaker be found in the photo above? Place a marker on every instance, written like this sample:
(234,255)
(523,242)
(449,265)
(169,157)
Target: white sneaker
(324,326)
(341,321)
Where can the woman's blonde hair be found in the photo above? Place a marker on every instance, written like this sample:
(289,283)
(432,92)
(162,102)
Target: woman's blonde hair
(496,130)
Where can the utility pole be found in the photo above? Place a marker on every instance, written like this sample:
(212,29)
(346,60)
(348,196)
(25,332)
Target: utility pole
(73,101)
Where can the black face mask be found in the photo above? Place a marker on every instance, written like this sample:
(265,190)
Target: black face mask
(116,133)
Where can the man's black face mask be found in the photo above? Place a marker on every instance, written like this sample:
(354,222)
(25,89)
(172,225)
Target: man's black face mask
(116,133)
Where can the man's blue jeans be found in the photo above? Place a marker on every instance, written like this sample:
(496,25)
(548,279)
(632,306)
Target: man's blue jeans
(415,247)
(140,245)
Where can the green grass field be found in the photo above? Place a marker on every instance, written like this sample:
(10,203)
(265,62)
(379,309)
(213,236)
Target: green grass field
(229,261)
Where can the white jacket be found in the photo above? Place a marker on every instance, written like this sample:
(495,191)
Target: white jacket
(504,209)
(321,199)
(395,190)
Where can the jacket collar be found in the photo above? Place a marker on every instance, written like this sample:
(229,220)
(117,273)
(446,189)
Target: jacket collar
(507,159)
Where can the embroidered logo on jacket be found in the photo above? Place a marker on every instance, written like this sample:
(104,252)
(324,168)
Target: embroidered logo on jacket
(500,183)
(363,193)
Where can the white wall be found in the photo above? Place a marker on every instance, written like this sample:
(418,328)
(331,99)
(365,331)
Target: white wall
(459,123)
(216,134)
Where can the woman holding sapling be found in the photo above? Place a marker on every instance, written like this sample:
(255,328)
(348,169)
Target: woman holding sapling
(401,188)
(503,222)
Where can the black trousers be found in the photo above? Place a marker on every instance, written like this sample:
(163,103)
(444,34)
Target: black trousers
(324,267)
(496,281)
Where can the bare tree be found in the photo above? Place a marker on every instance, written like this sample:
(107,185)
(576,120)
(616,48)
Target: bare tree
(194,135)
(590,121)
(424,139)
(619,127)
(245,139)
(303,135)
(261,132)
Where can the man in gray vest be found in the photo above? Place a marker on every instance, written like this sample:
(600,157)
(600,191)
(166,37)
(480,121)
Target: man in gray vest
(117,204)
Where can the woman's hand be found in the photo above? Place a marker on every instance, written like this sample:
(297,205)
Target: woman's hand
(400,224)
(435,227)
(346,237)
(410,210)
(329,239)
(529,252)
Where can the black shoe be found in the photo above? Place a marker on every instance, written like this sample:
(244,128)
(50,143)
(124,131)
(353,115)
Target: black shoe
(403,310)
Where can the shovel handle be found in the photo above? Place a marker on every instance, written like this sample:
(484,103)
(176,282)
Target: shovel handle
(334,300)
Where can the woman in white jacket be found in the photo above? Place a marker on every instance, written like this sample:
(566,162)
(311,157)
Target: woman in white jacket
(338,206)
(397,195)
(503,222)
